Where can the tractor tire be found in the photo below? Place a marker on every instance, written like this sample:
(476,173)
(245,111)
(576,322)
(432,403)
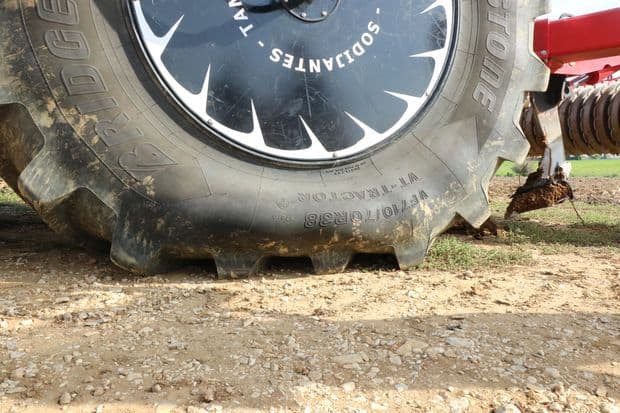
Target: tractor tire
(106,156)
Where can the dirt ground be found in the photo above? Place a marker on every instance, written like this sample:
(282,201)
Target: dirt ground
(590,190)
(76,334)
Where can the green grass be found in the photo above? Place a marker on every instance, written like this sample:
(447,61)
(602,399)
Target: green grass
(561,226)
(450,253)
(12,208)
(581,169)
(551,231)
(9,197)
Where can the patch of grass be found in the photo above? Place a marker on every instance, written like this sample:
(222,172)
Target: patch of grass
(560,225)
(452,254)
(9,197)
(591,168)
(12,207)
(597,168)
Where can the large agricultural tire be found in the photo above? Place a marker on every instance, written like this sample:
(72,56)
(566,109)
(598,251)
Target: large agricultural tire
(90,138)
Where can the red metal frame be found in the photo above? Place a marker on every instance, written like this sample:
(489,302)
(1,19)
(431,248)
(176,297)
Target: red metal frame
(588,44)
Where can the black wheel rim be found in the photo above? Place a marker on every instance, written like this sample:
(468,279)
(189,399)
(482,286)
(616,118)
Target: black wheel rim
(299,80)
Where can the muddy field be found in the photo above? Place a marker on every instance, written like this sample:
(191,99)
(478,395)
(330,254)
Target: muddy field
(78,335)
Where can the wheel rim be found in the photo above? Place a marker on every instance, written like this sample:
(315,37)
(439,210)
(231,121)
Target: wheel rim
(299,80)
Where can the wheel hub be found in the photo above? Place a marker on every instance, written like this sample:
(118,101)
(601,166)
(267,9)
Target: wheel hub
(331,83)
(311,11)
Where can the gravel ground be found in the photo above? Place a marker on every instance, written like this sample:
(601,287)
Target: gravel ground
(78,335)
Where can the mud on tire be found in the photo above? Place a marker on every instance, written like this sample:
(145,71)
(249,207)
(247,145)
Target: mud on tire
(97,147)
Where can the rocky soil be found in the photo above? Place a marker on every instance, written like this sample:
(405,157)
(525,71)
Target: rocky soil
(78,335)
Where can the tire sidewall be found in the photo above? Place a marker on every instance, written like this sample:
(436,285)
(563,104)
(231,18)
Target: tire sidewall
(144,141)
